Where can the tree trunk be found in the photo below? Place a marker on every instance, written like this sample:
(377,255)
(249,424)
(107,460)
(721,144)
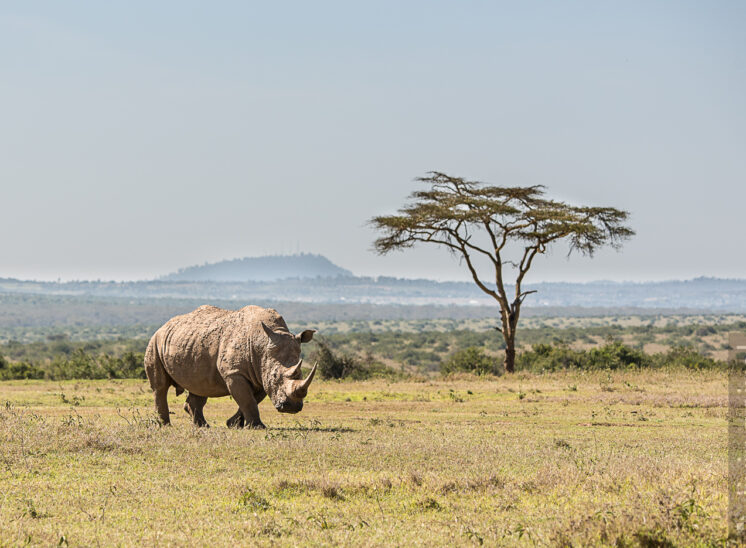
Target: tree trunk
(509,362)
(509,321)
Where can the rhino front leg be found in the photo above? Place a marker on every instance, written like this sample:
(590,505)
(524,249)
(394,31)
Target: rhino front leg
(236,421)
(194,405)
(241,391)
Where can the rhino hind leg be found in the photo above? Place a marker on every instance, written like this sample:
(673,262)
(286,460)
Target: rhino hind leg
(160,382)
(236,421)
(161,406)
(193,406)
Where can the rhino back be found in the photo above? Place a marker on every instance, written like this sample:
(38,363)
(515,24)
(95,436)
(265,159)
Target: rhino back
(190,345)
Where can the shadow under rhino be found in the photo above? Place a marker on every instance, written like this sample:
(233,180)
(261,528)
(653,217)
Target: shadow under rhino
(329,429)
(211,352)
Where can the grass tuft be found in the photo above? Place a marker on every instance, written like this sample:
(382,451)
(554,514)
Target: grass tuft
(250,500)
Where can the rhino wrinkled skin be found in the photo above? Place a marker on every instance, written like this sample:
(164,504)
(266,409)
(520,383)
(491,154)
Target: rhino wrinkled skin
(211,352)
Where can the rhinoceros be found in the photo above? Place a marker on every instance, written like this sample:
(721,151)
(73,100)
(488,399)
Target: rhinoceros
(211,352)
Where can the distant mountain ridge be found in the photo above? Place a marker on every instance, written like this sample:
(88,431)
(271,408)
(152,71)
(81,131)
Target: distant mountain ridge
(313,278)
(700,294)
(261,269)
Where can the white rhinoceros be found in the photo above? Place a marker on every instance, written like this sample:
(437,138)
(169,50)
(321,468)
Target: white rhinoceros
(212,352)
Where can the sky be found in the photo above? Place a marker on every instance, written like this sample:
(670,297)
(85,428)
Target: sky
(140,137)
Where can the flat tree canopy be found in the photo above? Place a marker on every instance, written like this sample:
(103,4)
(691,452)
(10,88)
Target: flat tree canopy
(474,219)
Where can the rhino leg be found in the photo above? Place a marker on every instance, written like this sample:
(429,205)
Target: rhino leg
(241,391)
(194,405)
(161,406)
(236,421)
(160,382)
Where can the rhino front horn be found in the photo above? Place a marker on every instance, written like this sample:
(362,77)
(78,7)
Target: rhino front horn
(300,388)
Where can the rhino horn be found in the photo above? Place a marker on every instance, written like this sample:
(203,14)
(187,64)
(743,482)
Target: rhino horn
(268,330)
(300,388)
(291,372)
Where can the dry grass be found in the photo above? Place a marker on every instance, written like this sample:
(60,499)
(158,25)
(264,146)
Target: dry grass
(578,459)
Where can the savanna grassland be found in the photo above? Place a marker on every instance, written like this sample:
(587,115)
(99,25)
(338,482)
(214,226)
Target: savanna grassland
(624,458)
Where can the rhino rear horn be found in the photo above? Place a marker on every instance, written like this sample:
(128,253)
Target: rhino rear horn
(291,372)
(268,330)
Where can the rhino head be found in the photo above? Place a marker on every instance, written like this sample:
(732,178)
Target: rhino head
(281,369)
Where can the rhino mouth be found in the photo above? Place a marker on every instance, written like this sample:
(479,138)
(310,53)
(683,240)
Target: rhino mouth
(289,406)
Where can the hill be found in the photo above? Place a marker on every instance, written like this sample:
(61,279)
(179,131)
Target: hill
(261,269)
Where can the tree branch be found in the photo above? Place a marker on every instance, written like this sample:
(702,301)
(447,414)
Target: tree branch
(476,277)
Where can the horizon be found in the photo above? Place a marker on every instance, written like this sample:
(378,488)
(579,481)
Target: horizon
(159,277)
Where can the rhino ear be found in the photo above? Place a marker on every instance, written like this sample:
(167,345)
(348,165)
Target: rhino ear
(306,336)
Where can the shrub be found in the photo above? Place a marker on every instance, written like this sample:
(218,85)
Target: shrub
(705,330)
(20,370)
(80,365)
(129,366)
(616,355)
(472,360)
(687,357)
(331,365)
(612,355)
(346,366)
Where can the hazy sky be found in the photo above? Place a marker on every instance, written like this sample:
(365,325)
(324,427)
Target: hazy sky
(139,137)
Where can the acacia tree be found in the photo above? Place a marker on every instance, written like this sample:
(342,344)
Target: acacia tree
(473,219)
